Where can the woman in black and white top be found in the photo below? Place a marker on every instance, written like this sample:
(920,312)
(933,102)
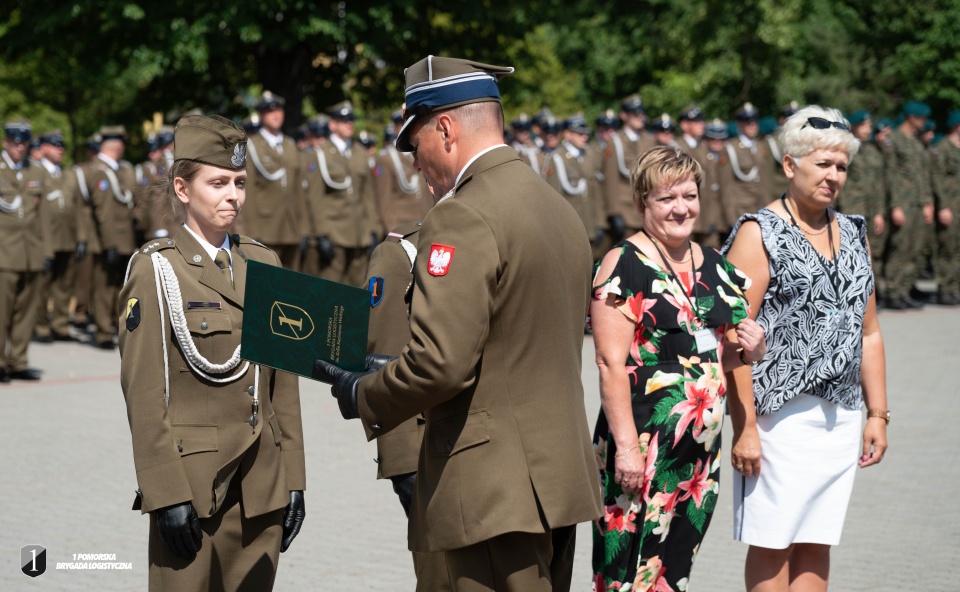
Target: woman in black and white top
(796,414)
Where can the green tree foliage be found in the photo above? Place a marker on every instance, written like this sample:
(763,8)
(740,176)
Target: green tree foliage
(83,63)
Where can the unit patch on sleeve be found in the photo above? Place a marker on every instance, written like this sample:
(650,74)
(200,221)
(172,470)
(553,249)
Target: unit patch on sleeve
(375,286)
(133,314)
(441,256)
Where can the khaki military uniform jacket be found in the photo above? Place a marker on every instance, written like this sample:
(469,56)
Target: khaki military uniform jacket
(778,179)
(863,193)
(86,229)
(22,244)
(58,209)
(275,210)
(111,200)
(402,196)
(530,155)
(391,283)
(744,178)
(153,211)
(190,447)
(906,175)
(619,157)
(494,361)
(711,218)
(568,175)
(341,200)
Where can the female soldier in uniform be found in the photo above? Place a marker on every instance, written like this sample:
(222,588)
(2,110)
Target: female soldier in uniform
(217,442)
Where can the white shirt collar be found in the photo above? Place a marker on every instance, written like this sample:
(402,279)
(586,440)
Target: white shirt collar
(53,169)
(632,135)
(109,161)
(273,140)
(210,249)
(10,162)
(690,141)
(572,150)
(340,143)
(746,141)
(466,166)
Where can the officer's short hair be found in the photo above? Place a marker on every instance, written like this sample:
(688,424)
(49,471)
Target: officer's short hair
(799,137)
(662,166)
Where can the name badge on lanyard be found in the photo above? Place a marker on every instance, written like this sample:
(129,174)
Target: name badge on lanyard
(706,340)
(840,321)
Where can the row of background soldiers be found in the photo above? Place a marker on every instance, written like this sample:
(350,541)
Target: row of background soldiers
(323,200)
(905,180)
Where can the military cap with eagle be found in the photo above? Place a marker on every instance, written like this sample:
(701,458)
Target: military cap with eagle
(437,83)
(212,140)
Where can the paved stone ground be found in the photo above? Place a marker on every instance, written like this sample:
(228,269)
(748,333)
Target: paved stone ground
(67,479)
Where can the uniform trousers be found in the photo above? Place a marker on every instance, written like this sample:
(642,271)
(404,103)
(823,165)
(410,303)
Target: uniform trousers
(516,562)
(56,287)
(18,312)
(236,554)
(948,258)
(82,290)
(432,572)
(349,266)
(901,254)
(107,281)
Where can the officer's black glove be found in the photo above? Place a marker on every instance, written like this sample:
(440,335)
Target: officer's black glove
(179,528)
(304,245)
(325,249)
(293,516)
(113,258)
(374,241)
(598,237)
(403,486)
(81,251)
(345,384)
(47,264)
(618,228)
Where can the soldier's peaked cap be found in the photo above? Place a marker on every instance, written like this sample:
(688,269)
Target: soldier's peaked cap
(342,111)
(18,131)
(436,83)
(269,101)
(212,140)
(632,104)
(113,132)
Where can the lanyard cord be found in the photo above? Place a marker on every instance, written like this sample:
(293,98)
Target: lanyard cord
(833,270)
(673,274)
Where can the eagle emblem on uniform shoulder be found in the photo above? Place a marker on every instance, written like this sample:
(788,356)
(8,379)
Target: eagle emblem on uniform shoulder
(440,258)
(239,157)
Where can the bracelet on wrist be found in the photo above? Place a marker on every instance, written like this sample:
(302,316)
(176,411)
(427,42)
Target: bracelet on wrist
(623,453)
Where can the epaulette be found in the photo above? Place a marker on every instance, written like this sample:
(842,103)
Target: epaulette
(246,240)
(157,245)
(403,231)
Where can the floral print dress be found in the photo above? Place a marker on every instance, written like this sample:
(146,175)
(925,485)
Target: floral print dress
(649,542)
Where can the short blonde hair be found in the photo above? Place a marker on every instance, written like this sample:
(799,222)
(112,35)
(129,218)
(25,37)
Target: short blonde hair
(799,139)
(662,166)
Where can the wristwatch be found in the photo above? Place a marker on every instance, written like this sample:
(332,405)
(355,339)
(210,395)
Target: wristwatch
(884,415)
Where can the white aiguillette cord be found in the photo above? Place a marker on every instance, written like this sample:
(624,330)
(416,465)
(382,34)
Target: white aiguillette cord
(168,287)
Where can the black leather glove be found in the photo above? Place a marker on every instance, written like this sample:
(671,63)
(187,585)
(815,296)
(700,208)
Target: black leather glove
(81,251)
(403,486)
(293,516)
(618,228)
(179,529)
(47,264)
(374,241)
(113,258)
(345,384)
(325,249)
(304,245)
(598,237)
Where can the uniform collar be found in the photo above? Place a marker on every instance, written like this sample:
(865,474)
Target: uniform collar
(210,249)
(15,166)
(342,145)
(747,142)
(190,248)
(108,161)
(631,135)
(272,140)
(572,150)
(53,169)
(690,141)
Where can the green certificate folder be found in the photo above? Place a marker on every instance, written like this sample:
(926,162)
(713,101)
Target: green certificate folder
(291,319)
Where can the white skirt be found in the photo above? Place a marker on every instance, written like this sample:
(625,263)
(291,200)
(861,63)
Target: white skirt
(808,459)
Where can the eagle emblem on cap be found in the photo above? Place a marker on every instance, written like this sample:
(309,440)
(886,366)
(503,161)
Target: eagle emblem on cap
(239,157)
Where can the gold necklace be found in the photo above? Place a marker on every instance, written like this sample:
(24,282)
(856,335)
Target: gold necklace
(803,230)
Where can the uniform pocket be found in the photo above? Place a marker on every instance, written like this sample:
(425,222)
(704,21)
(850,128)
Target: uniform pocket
(195,437)
(275,428)
(211,331)
(458,433)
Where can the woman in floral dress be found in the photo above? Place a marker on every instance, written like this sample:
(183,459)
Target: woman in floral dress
(663,309)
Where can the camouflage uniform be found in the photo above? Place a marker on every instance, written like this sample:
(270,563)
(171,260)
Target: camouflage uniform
(946,188)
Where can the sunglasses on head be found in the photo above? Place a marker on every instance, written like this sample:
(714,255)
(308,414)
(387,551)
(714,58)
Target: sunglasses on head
(822,124)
